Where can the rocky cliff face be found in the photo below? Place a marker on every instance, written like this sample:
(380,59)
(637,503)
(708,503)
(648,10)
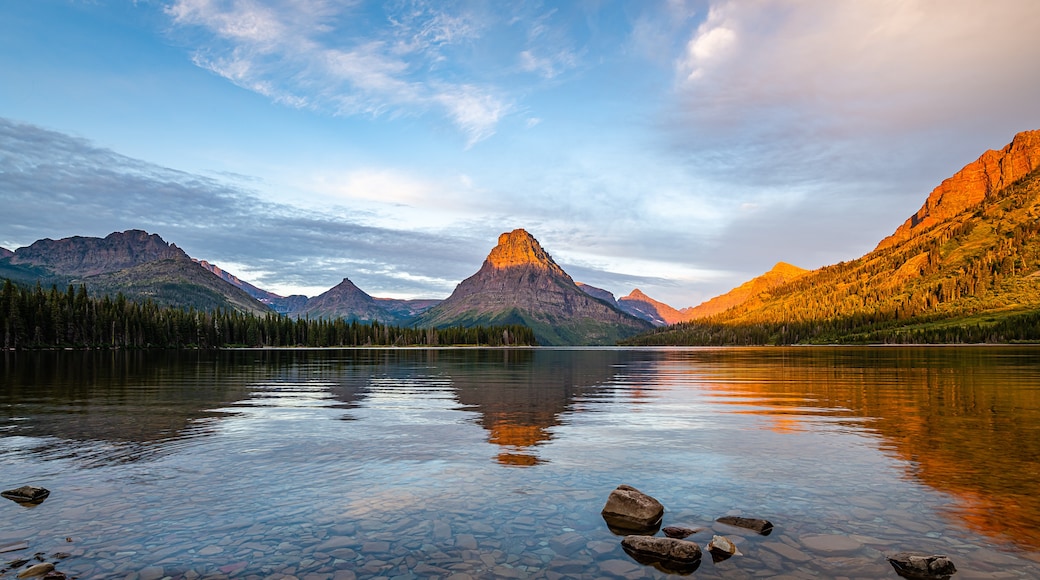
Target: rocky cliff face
(642,306)
(780,274)
(519,283)
(5,253)
(992,172)
(82,256)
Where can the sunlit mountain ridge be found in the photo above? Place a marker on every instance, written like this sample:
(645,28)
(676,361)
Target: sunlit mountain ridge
(965,268)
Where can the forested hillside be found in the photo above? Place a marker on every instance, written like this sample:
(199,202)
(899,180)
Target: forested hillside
(974,277)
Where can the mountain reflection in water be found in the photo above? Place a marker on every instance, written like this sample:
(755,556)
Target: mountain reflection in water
(962,421)
(965,421)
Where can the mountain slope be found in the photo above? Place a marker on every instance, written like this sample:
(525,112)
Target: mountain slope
(280,304)
(780,274)
(173,282)
(605,295)
(967,275)
(642,306)
(992,172)
(519,283)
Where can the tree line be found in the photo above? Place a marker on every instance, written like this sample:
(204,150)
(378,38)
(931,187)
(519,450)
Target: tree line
(34,318)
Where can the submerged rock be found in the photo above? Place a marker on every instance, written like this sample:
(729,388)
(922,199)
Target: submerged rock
(14,547)
(922,566)
(721,548)
(629,509)
(677,532)
(763,527)
(37,570)
(26,494)
(668,554)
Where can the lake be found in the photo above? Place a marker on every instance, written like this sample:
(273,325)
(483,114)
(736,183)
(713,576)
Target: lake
(495,463)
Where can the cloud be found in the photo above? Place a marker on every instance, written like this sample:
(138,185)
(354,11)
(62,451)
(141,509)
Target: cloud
(54,185)
(328,56)
(832,90)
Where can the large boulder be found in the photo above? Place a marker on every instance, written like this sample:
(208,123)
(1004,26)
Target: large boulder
(668,554)
(629,509)
(922,566)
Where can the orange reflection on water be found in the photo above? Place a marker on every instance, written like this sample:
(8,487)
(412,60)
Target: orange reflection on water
(963,424)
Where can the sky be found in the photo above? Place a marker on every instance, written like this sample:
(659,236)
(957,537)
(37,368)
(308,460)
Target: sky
(680,147)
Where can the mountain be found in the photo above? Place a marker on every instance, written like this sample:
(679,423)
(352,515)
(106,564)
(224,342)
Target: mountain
(994,171)
(642,306)
(280,304)
(519,283)
(5,253)
(605,295)
(345,300)
(964,268)
(138,264)
(82,256)
(753,289)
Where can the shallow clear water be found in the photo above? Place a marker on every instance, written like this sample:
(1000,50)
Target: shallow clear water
(496,463)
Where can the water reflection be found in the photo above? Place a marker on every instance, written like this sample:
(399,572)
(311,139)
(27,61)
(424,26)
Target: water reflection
(963,421)
(435,425)
(521,395)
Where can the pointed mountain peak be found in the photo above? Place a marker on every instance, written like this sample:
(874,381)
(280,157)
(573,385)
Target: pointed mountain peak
(519,248)
(786,269)
(636,294)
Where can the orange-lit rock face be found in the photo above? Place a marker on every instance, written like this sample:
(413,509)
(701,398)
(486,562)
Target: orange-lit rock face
(991,172)
(519,248)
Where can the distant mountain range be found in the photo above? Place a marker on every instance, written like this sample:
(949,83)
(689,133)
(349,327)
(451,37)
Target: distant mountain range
(519,284)
(970,255)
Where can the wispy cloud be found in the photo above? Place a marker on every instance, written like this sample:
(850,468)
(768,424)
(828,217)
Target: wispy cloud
(330,56)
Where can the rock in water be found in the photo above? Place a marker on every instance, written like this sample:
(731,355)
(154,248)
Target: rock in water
(26,494)
(763,527)
(677,532)
(721,548)
(669,554)
(37,570)
(629,509)
(922,566)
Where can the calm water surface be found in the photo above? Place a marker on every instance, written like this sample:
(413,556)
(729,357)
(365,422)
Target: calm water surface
(496,463)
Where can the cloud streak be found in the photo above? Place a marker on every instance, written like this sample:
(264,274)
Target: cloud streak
(324,55)
(50,181)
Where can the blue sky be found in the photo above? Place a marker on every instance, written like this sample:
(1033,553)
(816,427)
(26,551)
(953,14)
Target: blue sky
(680,147)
